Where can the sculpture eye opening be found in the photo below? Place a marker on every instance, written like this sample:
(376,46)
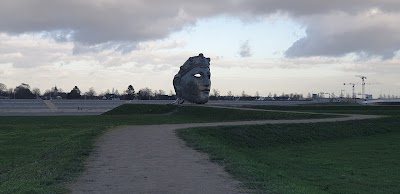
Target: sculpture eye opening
(197,75)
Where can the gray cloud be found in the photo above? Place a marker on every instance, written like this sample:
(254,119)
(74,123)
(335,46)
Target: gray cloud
(93,22)
(369,34)
(121,25)
(245,50)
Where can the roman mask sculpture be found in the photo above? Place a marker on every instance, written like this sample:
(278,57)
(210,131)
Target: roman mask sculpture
(192,83)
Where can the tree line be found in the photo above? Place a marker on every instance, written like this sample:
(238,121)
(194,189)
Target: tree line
(24,91)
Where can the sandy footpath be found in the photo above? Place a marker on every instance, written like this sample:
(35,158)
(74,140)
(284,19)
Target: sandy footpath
(152,159)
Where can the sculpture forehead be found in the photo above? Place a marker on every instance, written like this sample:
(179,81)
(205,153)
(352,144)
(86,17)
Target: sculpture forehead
(198,70)
(193,62)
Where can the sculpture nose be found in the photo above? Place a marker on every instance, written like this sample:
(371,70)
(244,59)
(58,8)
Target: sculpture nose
(207,82)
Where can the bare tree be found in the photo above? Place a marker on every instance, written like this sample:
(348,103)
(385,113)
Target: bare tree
(145,94)
(159,92)
(3,89)
(90,93)
(244,94)
(47,93)
(10,92)
(36,92)
(215,93)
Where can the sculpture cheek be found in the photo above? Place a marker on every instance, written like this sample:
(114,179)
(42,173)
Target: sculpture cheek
(177,85)
(206,82)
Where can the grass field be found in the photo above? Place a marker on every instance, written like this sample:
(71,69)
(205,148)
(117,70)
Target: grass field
(343,109)
(176,114)
(41,154)
(345,157)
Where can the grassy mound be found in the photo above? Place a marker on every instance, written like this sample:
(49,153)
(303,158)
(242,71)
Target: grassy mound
(343,157)
(40,154)
(134,109)
(205,114)
(352,109)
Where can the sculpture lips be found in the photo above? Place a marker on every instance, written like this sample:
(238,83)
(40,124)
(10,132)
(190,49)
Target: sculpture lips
(206,90)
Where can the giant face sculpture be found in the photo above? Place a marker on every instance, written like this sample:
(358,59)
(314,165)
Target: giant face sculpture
(192,83)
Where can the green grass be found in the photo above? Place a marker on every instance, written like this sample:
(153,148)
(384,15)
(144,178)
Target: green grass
(38,157)
(332,104)
(181,114)
(134,109)
(343,157)
(344,109)
(41,154)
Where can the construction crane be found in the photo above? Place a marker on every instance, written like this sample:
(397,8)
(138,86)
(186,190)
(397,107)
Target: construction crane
(352,84)
(363,78)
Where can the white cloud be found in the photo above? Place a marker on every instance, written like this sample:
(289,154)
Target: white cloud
(28,51)
(161,44)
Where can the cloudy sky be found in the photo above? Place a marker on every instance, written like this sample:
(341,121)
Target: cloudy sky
(269,46)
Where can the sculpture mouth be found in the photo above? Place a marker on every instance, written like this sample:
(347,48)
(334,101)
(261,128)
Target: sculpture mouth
(206,90)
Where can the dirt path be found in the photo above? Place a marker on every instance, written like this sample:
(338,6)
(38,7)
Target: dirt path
(151,159)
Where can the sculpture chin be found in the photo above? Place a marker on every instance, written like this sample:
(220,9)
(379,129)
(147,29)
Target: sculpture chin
(201,101)
(201,98)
